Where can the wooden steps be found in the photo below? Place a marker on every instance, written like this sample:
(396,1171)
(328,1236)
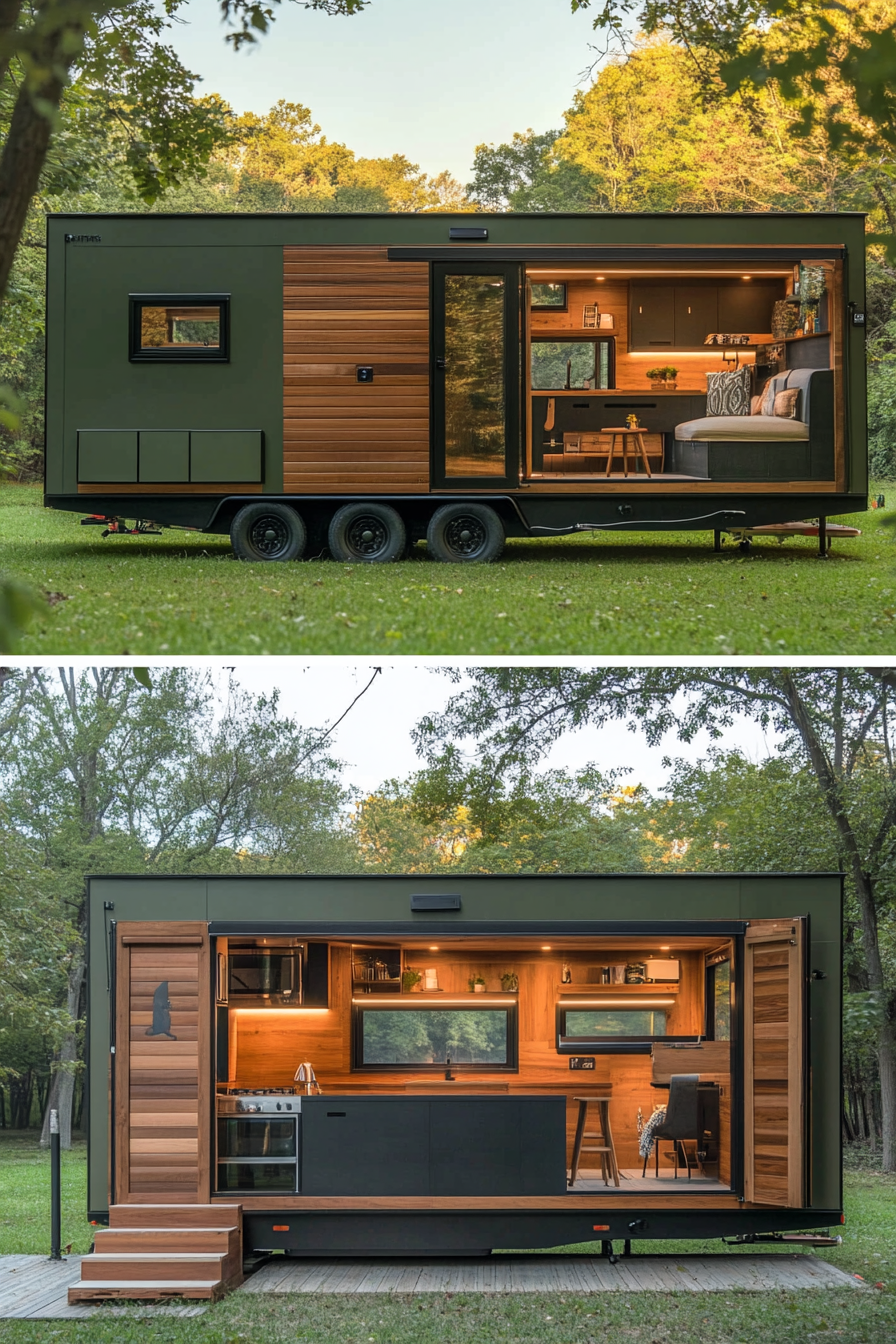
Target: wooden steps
(164,1250)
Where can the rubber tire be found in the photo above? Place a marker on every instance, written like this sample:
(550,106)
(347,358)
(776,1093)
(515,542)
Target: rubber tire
(485,545)
(250,543)
(346,535)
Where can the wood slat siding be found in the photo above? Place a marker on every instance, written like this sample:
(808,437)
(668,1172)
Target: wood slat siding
(774,1149)
(161,1109)
(343,307)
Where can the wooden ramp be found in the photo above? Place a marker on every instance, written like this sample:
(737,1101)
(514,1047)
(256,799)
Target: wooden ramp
(551,1274)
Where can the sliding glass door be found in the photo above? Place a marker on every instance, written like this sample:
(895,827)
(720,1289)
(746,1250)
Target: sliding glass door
(476,390)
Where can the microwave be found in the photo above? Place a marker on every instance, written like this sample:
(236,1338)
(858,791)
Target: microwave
(265,972)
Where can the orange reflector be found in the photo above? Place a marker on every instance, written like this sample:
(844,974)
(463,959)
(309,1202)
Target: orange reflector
(843,1217)
(280,1227)
(601,1227)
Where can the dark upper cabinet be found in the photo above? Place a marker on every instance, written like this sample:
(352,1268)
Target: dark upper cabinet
(746,306)
(652,325)
(680,317)
(696,313)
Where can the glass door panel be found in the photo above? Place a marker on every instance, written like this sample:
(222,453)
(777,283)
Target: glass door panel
(477,375)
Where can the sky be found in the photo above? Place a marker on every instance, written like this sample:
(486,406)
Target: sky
(430,79)
(374,739)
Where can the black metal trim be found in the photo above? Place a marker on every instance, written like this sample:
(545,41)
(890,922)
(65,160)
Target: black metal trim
(427,928)
(511,276)
(113,1008)
(220,355)
(427,1070)
(558,338)
(523,253)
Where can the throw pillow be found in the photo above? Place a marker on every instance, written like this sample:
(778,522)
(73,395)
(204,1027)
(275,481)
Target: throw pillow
(771,390)
(729,393)
(756,405)
(786,402)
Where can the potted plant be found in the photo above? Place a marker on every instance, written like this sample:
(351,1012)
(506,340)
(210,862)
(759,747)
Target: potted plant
(656,376)
(476,984)
(510,982)
(410,979)
(670,373)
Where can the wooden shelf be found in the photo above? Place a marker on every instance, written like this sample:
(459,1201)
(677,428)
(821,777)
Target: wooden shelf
(660,987)
(813,336)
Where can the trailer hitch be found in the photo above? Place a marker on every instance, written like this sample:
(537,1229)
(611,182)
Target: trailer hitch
(117,527)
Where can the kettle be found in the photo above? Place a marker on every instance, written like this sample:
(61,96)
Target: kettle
(305,1074)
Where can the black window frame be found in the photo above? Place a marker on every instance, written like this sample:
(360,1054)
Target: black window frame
(607,1045)
(509,1009)
(219,354)
(557,338)
(709,974)
(550,307)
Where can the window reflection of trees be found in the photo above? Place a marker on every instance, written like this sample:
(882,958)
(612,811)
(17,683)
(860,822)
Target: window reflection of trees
(643,1022)
(409,1037)
(474,381)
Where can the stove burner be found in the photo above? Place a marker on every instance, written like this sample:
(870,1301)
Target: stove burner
(260,1092)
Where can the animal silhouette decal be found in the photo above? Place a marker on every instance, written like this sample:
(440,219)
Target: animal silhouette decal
(161,1013)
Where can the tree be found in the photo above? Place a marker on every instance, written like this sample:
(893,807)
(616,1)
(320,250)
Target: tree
(839,722)
(148,92)
(102,774)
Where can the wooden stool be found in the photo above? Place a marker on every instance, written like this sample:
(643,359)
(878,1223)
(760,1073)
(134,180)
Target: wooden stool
(605,1137)
(639,449)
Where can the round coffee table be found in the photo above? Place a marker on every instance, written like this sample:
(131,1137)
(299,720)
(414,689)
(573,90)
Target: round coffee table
(638,449)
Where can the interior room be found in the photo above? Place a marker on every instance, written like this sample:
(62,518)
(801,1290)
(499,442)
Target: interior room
(715,371)
(619,1026)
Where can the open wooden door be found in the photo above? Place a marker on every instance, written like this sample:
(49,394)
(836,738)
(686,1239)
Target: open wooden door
(162,1102)
(774,1063)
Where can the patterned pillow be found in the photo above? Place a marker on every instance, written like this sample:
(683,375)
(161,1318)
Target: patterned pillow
(786,403)
(729,393)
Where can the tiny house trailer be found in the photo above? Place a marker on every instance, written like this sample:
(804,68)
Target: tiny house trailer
(364,382)
(449,1034)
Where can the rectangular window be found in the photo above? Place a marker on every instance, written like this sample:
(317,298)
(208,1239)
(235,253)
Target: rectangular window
(180,327)
(475,411)
(575,364)
(616,1029)
(718,1001)
(550,294)
(424,1039)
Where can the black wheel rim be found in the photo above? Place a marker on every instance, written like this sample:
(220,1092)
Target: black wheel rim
(465,535)
(269,535)
(367,536)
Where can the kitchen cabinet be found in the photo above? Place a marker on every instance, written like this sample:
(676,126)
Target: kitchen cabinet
(696,313)
(652,317)
(680,317)
(451,1145)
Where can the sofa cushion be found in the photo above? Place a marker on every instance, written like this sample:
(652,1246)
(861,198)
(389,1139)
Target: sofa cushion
(786,403)
(759,428)
(729,393)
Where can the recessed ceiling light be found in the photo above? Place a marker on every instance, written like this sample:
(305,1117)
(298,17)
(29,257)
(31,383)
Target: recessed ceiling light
(433,949)
(746,277)
(546,947)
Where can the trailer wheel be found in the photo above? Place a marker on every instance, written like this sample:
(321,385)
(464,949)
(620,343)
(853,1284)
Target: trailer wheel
(465,533)
(267,532)
(373,533)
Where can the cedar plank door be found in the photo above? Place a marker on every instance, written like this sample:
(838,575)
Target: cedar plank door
(774,1070)
(162,1063)
(344,307)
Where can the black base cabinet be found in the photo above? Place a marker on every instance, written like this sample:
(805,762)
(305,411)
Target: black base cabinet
(400,1145)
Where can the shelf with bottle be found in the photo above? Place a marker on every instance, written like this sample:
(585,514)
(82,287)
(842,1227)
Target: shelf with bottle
(376,970)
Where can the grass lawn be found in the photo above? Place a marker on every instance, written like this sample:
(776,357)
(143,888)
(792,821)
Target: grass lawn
(661,594)
(847,1317)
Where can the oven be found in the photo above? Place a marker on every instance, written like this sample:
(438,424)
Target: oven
(259,1154)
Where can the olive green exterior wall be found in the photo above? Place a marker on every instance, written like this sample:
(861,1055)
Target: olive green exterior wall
(530,903)
(92,385)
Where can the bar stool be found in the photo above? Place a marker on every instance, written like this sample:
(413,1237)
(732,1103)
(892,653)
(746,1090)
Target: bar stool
(604,1146)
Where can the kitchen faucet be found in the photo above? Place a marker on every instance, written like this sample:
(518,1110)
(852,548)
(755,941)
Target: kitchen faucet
(449,1076)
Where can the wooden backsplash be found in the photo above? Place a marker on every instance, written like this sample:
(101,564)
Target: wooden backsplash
(631,370)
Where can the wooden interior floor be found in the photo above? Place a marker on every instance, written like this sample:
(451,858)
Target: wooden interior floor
(631,1181)
(594,478)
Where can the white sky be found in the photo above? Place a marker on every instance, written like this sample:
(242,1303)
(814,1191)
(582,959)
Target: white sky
(375,743)
(430,79)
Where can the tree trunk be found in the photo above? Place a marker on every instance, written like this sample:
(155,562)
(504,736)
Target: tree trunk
(25,150)
(62,1088)
(886,1063)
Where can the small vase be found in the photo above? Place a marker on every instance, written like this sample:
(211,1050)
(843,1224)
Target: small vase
(479,989)
(657,384)
(670,384)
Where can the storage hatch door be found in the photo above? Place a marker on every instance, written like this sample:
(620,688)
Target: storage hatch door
(774,1063)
